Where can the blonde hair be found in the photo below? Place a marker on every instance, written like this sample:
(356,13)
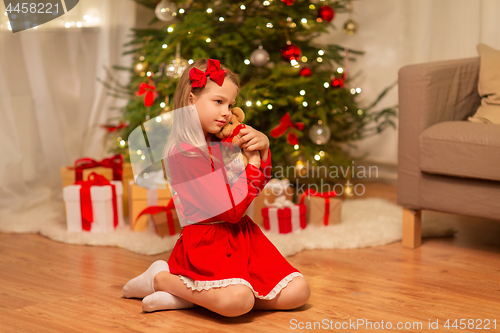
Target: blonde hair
(186,122)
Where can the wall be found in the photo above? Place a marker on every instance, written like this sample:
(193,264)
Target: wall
(394,33)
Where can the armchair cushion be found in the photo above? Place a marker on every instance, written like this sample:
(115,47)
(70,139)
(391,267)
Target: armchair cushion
(461,148)
(489,86)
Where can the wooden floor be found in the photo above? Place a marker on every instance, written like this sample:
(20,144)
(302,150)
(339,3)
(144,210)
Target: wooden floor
(46,286)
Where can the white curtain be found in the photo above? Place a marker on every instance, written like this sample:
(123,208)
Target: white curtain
(395,33)
(51,104)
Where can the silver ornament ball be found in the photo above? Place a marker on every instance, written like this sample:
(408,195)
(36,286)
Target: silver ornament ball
(319,134)
(259,57)
(166,11)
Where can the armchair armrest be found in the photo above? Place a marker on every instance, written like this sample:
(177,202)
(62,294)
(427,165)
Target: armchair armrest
(430,93)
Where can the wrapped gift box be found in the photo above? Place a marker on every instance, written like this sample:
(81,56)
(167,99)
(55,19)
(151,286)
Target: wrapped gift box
(140,199)
(166,225)
(273,189)
(284,220)
(69,173)
(102,207)
(127,176)
(322,208)
(165,218)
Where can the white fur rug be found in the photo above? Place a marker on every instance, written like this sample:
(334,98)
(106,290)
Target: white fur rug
(365,223)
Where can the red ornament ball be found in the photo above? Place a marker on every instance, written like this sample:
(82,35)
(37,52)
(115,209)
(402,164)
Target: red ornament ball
(288,2)
(326,13)
(291,52)
(337,83)
(305,72)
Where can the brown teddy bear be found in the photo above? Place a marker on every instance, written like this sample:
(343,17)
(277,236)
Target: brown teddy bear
(236,160)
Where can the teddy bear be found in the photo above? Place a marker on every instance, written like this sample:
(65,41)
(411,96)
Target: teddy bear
(229,133)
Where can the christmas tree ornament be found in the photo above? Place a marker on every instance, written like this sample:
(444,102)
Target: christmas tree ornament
(285,124)
(288,2)
(350,27)
(259,57)
(149,92)
(114,128)
(166,11)
(140,67)
(178,65)
(305,72)
(337,83)
(326,13)
(291,52)
(319,134)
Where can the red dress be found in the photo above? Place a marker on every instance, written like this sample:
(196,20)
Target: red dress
(235,252)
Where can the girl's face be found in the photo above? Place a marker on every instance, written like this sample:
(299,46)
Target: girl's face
(214,105)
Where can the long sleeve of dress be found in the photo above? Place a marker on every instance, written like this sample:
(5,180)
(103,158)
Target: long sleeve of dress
(204,190)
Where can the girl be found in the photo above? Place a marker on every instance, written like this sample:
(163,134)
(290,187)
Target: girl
(222,260)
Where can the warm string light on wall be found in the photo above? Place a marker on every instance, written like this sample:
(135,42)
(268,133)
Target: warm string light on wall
(88,21)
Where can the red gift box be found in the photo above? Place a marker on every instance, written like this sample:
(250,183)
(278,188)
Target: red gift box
(284,220)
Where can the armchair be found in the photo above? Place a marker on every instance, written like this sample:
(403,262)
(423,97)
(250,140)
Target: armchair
(445,162)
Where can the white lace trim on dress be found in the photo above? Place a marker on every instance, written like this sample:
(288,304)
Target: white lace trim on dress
(206,285)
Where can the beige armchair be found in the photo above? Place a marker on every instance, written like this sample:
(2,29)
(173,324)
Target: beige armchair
(445,162)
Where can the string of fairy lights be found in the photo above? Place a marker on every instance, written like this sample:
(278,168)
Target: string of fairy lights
(167,12)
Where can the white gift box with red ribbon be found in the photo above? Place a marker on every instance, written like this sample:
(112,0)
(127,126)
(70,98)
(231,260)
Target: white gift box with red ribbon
(283,216)
(102,207)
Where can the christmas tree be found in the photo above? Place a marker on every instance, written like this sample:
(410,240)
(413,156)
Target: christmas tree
(293,90)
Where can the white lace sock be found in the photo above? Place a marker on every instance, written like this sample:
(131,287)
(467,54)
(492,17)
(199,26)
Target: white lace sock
(161,300)
(143,285)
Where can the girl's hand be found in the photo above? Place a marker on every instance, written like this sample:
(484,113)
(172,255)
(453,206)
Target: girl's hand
(250,139)
(253,157)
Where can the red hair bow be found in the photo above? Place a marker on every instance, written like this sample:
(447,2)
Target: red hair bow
(285,123)
(199,78)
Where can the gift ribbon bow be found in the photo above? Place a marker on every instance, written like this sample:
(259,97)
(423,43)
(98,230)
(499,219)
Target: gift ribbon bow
(326,195)
(111,128)
(149,90)
(285,124)
(114,162)
(86,199)
(158,209)
(199,78)
(279,202)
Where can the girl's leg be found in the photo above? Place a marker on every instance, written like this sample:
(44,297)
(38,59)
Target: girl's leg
(295,294)
(230,301)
